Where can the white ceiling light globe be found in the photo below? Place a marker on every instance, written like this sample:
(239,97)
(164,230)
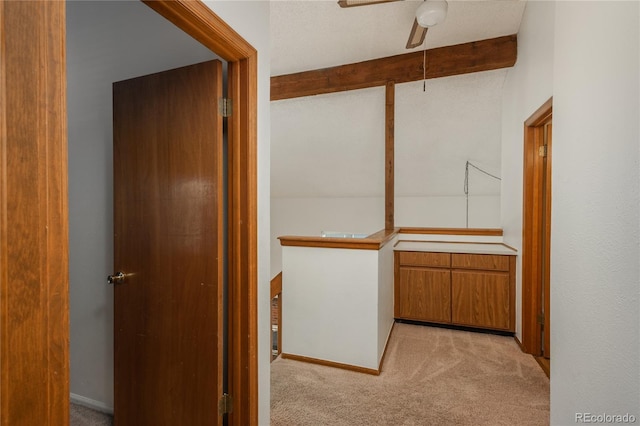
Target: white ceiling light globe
(431,12)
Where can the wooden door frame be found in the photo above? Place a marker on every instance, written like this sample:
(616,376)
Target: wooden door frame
(34,260)
(532,226)
(197,20)
(33,101)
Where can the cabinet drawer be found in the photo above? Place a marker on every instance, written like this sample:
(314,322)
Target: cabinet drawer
(415,258)
(480,261)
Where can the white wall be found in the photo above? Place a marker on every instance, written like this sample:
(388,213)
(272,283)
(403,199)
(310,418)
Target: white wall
(121,43)
(338,305)
(528,85)
(385,295)
(328,158)
(311,216)
(593,76)
(330,305)
(595,258)
(457,119)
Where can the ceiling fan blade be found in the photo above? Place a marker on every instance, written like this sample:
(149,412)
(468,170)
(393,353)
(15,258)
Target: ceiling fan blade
(352,3)
(417,35)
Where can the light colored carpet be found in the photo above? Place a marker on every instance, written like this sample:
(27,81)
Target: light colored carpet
(431,376)
(83,416)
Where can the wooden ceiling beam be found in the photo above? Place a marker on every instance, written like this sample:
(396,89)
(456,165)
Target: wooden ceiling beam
(483,55)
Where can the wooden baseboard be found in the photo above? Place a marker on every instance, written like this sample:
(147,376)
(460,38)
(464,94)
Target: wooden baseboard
(519,343)
(349,367)
(545,364)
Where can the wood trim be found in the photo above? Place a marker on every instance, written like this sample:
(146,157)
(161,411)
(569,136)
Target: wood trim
(532,227)
(512,293)
(346,3)
(34,274)
(200,22)
(546,351)
(483,55)
(276,291)
(280,323)
(379,239)
(197,20)
(389,161)
(530,331)
(519,343)
(396,282)
(317,361)
(373,242)
(276,285)
(542,114)
(384,236)
(544,364)
(488,232)
(242,222)
(324,242)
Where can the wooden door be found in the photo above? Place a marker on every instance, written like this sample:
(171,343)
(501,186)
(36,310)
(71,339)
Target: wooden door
(425,294)
(481,299)
(168,221)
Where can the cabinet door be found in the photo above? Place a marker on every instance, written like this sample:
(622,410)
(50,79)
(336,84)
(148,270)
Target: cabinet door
(425,294)
(481,299)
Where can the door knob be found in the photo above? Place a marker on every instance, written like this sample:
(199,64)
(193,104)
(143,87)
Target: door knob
(117,278)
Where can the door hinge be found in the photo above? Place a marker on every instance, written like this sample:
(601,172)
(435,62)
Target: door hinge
(542,151)
(225,106)
(225,404)
(541,319)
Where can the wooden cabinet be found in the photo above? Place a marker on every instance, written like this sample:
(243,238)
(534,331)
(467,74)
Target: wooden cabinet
(472,290)
(480,299)
(425,294)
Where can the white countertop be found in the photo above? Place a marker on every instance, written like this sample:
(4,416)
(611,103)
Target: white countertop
(453,247)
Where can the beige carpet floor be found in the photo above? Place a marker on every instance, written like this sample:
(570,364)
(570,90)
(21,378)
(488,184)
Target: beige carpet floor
(431,376)
(83,416)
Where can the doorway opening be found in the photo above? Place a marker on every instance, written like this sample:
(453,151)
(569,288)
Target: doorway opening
(536,235)
(198,22)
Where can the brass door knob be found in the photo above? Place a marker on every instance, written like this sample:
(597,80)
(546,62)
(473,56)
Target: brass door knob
(117,278)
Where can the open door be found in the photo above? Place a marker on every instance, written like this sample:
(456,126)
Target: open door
(168,242)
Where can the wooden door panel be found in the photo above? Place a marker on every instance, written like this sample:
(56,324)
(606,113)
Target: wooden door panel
(481,299)
(425,294)
(168,240)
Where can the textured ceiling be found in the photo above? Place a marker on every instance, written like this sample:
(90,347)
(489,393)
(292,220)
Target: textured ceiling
(313,34)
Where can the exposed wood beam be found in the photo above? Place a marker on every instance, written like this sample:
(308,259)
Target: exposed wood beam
(389,155)
(483,55)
